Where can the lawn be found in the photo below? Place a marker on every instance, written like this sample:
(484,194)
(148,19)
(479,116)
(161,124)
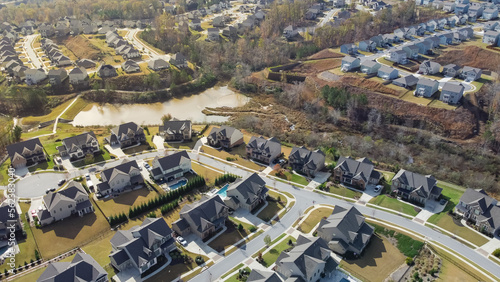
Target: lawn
(272,255)
(454,270)
(104,156)
(236,154)
(149,45)
(79,105)
(138,149)
(62,236)
(123,202)
(228,238)
(314,218)
(441,105)
(232,270)
(446,222)
(394,204)
(409,97)
(345,192)
(207,173)
(234,278)
(174,271)
(290,176)
(272,207)
(379,260)
(34,120)
(27,246)
(4,177)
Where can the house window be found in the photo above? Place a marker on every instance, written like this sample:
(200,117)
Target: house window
(60,209)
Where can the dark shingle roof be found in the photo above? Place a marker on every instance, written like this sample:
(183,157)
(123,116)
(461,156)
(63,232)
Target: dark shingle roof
(173,160)
(73,142)
(251,188)
(18,147)
(82,268)
(203,210)
(360,168)
(124,168)
(423,183)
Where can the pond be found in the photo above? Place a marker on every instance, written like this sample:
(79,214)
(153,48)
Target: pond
(184,108)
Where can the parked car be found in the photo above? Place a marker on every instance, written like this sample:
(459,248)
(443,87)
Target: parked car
(87,177)
(61,182)
(147,166)
(378,188)
(442,201)
(58,160)
(181,240)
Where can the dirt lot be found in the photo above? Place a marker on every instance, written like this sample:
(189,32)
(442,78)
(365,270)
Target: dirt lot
(472,56)
(372,85)
(313,67)
(81,47)
(325,54)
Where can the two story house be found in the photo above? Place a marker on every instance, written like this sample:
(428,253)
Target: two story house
(406,81)
(305,161)
(309,260)
(411,51)
(451,70)
(247,193)
(82,268)
(356,173)
(78,76)
(203,218)
(140,247)
(491,37)
(119,178)
(263,150)
(57,76)
(398,56)
(414,187)
(126,134)
(387,73)
(368,46)
(225,136)
(176,130)
(429,67)
(470,73)
(370,67)
(26,153)
(345,230)
(350,64)
(484,211)
(76,147)
(179,60)
(172,166)
(62,204)
(349,49)
(452,93)
(426,87)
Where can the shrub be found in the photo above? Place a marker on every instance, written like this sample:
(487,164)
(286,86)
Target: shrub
(252,229)
(409,261)
(240,227)
(496,253)
(199,260)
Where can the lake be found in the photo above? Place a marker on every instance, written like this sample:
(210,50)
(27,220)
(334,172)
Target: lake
(183,108)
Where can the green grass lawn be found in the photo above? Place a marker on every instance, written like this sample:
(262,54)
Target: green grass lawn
(234,278)
(209,174)
(231,236)
(272,208)
(342,191)
(77,107)
(314,218)
(236,154)
(446,222)
(122,203)
(138,149)
(394,204)
(34,120)
(272,255)
(4,177)
(104,156)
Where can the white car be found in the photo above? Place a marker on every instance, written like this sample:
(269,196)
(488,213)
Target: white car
(87,176)
(378,188)
(181,240)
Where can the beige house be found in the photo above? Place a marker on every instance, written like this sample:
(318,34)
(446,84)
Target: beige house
(26,153)
(76,147)
(226,137)
(172,166)
(115,180)
(176,130)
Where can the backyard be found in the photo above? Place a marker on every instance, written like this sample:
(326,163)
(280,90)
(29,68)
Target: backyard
(379,260)
(314,218)
(175,270)
(236,154)
(394,204)
(273,207)
(206,172)
(272,255)
(344,192)
(122,203)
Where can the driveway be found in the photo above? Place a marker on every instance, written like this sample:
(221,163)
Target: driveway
(158,141)
(115,150)
(368,194)
(36,184)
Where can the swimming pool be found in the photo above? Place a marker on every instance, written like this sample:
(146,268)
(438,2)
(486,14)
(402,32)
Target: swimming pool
(222,192)
(178,184)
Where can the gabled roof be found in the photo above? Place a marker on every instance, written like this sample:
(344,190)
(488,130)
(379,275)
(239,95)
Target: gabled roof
(158,64)
(263,276)
(309,159)
(172,161)
(203,211)
(250,188)
(19,147)
(407,80)
(73,191)
(360,168)
(453,87)
(369,63)
(349,59)
(175,126)
(123,168)
(270,146)
(471,69)
(74,143)
(427,82)
(82,268)
(124,129)
(425,184)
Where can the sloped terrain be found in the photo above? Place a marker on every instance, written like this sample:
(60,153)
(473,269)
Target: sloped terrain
(472,56)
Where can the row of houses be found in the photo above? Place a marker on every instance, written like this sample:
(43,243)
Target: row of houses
(54,53)
(122,46)
(9,60)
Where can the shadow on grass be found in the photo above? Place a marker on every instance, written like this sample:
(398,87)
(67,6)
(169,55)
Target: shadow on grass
(73,228)
(374,250)
(129,198)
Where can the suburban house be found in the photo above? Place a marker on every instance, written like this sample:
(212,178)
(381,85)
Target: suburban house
(441,23)
(406,81)
(434,41)
(62,204)
(86,63)
(449,7)
(451,93)
(9,222)
(453,21)
(107,71)
(379,40)
(225,136)
(119,178)
(414,187)
(356,173)
(76,147)
(424,47)
(57,76)
(195,24)
(446,38)
(387,73)
(350,63)
(305,161)
(431,26)
(34,76)
(411,51)
(213,34)
(258,275)
(246,193)
(130,66)
(490,14)
(491,25)
(484,211)
(345,230)
(178,60)
(349,49)
(309,260)
(426,87)
(429,67)
(26,153)
(470,73)
(82,268)
(475,11)
(370,67)
(230,31)
(203,218)
(290,31)
(126,134)
(391,38)
(172,166)
(78,76)
(158,64)
(176,130)
(491,37)
(451,70)
(140,247)
(402,33)
(398,56)
(367,46)
(461,9)
(263,150)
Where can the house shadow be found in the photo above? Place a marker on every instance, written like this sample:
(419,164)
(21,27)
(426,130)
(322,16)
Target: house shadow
(375,250)
(70,227)
(129,198)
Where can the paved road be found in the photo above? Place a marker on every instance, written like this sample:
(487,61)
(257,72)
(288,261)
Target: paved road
(31,52)
(133,38)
